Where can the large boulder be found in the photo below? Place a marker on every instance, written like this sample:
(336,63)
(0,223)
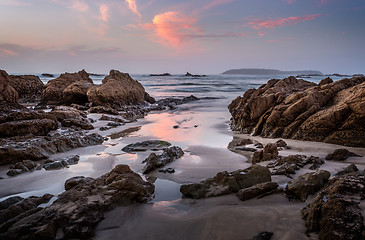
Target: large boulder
(29,87)
(296,109)
(54,89)
(307,184)
(340,155)
(75,93)
(77,210)
(118,89)
(335,212)
(226,183)
(256,190)
(7,92)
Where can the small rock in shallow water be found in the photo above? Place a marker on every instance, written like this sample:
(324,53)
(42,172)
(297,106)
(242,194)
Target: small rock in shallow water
(167,170)
(156,161)
(153,145)
(341,155)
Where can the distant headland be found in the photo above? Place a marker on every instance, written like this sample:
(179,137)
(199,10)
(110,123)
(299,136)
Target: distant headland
(259,71)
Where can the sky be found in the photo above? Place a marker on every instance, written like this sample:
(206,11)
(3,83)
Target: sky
(176,36)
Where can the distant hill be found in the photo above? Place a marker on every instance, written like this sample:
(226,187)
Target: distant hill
(258,71)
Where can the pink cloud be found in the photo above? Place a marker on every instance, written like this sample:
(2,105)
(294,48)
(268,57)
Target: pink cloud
(173,28)
(79,6)
(215,3)
(273,23)
(133,7)
(7,52)
(104,12)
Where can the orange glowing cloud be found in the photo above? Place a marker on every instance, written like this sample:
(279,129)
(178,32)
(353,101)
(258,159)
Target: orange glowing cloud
(133,7)
(262,24)
(173,28)
(104,12)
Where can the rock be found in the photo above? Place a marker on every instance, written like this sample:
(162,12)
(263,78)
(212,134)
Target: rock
(105,128)
(307,184)
(81,123)
(269,152)
(114,124)
(124,133)
(154,145)
(191,75)
(340,155)
(102,109)
(118,89)
(36,148)
(114,119)
(160,75)
(14,172)
(7,92)
(53,92)
(246,149)
(176,101)
(20,123)
(349,169)
(167,170)
(259,145)
(79,107)
(47,75)
(71,117)
(281,143)
(77,211)
(61,163)
(157,161)
(22,167)
(325,81)
(29,87)
(256,190)
(335,212)
(76,92)
(297,109)
(263,236)
(226,183)
(289,164)
(238,142)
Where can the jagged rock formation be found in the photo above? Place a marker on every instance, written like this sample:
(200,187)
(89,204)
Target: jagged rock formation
(77,210)
(297,109)
(118,89)
(7,93)
(29,87)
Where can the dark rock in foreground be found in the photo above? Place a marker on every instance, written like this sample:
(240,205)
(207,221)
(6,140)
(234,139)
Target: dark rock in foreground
(335,212)
(307,184)
(76,212)
(226,183)
(153,145)
(340,155)
(7,93)
(256,190)
(16,150)
(157,161)
(296,109)
(29,87)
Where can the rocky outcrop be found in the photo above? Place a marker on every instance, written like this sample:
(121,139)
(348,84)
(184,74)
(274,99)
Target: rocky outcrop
(29,87)
(118,89)
(307,184)
(23,167)
(71,117)
(289,164)
(7,93)
(101,109)
(256,190)
(77,210)
(269,152)
(157,161)
(335,212)
(340,155)
(20,123)
(349,169)
(154,145)
(297,109)
(76,92)
(54,89)
(14,150)
(226,183)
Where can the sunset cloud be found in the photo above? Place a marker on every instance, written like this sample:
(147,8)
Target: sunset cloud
(273,23)
(173,28)
(133,7)
(79,6)
(7,52)
(104,12)
(215,3)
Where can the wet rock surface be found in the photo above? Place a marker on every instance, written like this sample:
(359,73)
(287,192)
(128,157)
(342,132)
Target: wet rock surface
(28,87)
(13,150)
(256,190)
(335,212)
(297,109)
(23,167)
(307,184)
(77,210)
(349,169)
(153,145)
(157,161)
(226,183)
(61,163)
(269,152)
(340,155)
